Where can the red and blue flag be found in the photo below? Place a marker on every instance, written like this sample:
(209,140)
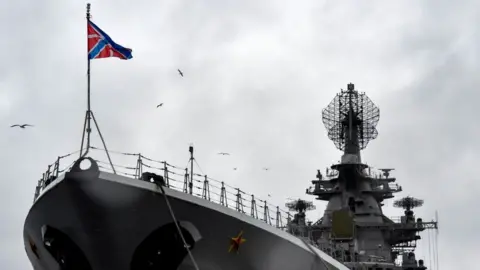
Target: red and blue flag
(100,45)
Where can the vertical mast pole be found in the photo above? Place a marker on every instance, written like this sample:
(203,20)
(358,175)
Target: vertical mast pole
(86,125)
(89,112)
(89,115)
(190,149)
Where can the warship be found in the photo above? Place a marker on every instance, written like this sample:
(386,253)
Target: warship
(149,214)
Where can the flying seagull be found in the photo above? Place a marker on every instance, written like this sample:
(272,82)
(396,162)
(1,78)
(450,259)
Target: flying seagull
(160,105)
(224,154)
(180,72)
(21,126)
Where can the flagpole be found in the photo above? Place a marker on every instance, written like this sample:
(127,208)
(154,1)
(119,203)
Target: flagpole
(87,122)
(89,114)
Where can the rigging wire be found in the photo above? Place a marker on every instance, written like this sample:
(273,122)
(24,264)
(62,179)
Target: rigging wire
(436,251)
(198,165)
(69,154)
(172,214)
(429,239)
(434,248)
(188,162)
(113,151)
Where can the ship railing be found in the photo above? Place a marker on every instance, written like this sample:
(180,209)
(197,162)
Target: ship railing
(177,178)
(377,174)
(327,187)
(396,219)
(345,255)
(374,175)
(319,188)
(387,187)
(415,222)
(370,172)
(329,175)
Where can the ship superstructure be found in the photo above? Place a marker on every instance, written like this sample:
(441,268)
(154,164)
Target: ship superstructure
(353,229)
(150,214)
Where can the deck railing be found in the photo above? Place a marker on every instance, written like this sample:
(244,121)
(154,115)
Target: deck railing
(177,178)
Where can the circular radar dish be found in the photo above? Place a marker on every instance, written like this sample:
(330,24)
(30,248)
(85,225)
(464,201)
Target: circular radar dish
(351,109)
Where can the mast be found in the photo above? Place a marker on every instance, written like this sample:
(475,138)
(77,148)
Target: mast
(353,228)
(351,140)
(89,113)
(86,125)
(190,185)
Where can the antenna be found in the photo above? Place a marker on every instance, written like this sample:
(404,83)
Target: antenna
(300,205)
(386,172)
(408,203)
(350,119)
(436,241)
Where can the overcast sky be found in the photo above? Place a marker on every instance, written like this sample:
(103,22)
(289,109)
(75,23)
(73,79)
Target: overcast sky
(257,76)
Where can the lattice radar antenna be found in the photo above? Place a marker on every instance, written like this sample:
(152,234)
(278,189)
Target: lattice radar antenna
(300,206)
(408,203)
(365,116)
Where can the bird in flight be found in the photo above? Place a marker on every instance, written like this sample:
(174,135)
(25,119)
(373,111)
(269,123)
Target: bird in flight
(21,126)
(224,154)
(234,169)
(180,72)
(266,169)
(160,105)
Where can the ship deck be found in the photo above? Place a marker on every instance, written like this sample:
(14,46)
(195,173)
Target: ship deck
(110,217)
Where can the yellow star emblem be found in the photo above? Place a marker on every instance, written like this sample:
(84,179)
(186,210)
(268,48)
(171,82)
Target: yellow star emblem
(235,242)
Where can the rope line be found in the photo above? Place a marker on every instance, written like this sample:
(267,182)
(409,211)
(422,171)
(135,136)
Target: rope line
(172,214)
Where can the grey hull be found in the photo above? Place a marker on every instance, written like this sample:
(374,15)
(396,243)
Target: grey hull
(108,216)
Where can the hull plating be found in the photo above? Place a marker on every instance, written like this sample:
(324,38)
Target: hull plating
(112,220)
